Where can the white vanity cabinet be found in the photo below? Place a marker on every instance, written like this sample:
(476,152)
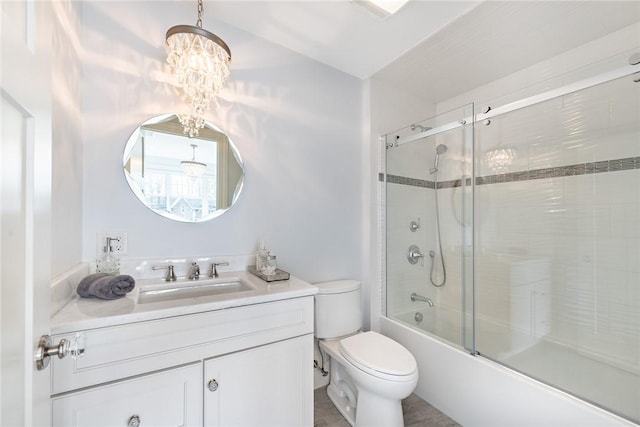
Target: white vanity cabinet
(243,366)
(264,386)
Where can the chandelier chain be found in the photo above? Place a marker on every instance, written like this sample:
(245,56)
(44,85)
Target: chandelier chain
(200,9)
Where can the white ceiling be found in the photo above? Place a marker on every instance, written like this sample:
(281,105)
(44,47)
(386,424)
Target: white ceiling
(340,33)
(453,46)
(498,38)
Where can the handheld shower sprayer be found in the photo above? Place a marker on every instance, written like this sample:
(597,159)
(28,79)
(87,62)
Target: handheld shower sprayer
(440,149)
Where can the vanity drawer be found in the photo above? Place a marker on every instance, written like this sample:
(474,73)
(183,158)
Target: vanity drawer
(122,351)
(168,398)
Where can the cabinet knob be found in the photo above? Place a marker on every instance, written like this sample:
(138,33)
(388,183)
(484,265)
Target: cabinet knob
(213,385)
(134,421)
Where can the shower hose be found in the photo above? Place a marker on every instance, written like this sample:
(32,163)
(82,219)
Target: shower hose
(432,254)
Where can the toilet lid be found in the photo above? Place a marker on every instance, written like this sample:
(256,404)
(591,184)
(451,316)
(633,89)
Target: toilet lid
(373,353)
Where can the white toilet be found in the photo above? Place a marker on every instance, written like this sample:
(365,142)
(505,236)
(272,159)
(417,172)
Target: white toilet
(370,373)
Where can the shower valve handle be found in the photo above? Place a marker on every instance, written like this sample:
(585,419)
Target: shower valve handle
(414,254)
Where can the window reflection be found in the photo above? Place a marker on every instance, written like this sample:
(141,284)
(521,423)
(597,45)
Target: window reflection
(154,163)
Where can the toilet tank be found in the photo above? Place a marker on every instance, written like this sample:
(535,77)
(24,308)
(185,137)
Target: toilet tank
(338,308)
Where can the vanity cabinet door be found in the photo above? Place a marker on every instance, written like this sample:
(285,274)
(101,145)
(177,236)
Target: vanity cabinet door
(271,385)
(167,398)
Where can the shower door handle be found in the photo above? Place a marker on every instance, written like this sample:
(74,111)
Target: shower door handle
(414,254)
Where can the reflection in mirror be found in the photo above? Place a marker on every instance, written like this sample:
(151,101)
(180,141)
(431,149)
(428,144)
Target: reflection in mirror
(181,178)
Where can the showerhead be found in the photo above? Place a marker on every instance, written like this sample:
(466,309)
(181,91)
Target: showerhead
(440,149)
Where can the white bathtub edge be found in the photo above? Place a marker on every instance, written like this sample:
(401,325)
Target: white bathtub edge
(475,391)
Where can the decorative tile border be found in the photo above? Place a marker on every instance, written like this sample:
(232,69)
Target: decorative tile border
(397,179)
(553,172)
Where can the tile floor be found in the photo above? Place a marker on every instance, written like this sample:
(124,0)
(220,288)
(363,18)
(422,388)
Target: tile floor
(417,413)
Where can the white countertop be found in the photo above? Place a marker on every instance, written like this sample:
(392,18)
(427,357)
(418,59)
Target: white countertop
(89,313)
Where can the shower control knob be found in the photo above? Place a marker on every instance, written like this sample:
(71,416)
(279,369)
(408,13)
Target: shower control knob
(213,385)
(414,254)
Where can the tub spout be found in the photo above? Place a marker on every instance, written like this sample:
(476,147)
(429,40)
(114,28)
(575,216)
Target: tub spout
(416,297)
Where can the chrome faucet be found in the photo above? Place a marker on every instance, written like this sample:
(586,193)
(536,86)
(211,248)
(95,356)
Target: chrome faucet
(170,276)
(213,272)
(194,272)
(416,297)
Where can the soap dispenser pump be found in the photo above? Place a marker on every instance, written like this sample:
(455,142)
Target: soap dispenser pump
(108,262)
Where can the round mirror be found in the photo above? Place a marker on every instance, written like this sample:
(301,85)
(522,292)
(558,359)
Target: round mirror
(181,178)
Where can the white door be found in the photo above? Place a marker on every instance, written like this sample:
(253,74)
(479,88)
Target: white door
(25,209)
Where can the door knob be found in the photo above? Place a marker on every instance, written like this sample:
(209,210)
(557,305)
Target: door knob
(213,385)
(64,348)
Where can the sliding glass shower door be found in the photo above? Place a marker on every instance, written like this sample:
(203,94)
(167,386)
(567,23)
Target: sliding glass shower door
(558,243)
(429,250)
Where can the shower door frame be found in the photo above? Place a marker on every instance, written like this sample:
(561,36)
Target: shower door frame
(490,112)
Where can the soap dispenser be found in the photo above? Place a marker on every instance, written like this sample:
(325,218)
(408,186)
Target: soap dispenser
(261,257)
(108,262)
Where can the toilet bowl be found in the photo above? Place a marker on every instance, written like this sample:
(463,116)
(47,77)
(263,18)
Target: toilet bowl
(370,373)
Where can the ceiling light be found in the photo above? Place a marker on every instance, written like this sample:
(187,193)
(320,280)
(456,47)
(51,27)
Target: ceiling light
(200,61)
(382,8)
(193,167)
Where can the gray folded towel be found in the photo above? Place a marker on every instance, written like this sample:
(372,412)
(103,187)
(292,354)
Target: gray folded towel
(105,286)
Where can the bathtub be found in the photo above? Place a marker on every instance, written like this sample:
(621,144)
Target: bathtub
(438,322)
(445,324)
(475,391)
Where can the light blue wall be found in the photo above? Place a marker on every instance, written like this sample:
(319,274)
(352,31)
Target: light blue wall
(66,206)
(297,124)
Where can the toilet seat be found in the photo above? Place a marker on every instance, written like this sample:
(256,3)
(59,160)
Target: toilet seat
(379,356)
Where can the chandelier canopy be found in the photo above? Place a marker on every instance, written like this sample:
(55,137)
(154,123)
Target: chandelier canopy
(200,61)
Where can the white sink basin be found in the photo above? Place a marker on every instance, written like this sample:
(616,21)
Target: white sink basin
(168,291)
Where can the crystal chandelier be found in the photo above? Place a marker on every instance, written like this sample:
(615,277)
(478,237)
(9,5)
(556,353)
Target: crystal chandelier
(193,167)
(499,159)
(200,61)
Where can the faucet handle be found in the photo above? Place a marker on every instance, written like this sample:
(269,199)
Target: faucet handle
(414,254)
(171,275)
(195,271)
(213,272)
